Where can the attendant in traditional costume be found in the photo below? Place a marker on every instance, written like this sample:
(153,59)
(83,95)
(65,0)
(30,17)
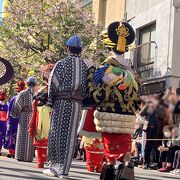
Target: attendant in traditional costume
(94,154)
(3,117)
(92,140)
(40,121)
(22,109)
(12,124)
(67,88)
(6,73)
(115,92)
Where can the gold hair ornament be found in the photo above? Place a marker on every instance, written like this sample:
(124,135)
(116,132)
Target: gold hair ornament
(122,33)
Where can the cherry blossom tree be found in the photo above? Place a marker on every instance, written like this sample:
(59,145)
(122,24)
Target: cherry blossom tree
(35,32)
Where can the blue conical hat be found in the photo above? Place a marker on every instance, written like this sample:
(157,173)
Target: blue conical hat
(75,41)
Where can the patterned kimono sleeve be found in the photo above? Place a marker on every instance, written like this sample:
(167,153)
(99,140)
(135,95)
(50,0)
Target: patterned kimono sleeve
(12,101)
(84,79)
(89,88)
(32,122)
(9,124)
(55,80)
(17,107)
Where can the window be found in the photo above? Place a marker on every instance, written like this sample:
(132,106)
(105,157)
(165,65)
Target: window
(147,49)
(86,3)
(154,88)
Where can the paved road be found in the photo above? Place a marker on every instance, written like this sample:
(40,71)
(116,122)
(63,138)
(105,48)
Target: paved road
(10,169)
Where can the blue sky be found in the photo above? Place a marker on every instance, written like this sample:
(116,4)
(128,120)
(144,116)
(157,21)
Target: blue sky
(1,4)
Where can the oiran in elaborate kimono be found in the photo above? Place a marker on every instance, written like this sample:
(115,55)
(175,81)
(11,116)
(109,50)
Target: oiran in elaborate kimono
(115,92)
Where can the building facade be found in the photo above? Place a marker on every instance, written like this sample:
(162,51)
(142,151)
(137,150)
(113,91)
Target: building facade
(107,11)
(5,3)
(157,56)
(157,27)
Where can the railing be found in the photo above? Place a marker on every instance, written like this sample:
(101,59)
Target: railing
(145,56)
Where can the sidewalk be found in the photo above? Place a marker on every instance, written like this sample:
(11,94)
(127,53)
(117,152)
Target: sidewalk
(10,169)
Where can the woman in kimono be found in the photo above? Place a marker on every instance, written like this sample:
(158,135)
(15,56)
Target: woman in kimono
(22,109)
(115,91)
(40,121)
(12,125)
(3,117)
(67,88)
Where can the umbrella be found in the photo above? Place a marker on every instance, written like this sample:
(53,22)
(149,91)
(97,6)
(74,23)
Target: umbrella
(6,71)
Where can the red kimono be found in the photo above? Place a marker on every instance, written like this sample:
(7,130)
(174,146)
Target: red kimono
(39,125)
(92,141)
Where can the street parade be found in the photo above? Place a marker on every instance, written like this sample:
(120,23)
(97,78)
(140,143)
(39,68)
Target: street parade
(82,97)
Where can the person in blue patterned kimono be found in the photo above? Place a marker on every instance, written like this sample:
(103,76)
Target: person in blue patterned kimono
(22,109)
(66,90)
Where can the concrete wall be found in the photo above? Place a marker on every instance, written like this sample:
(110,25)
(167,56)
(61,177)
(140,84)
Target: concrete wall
(136,7)
(175,65)
(5,3)
(96,9)
(144,12)
(114,11)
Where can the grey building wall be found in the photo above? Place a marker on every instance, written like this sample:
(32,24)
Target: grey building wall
(175,64)
(166,14)
(135,7)
(144,12)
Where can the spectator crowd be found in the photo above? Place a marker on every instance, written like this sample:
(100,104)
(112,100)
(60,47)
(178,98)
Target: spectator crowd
(156,139)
